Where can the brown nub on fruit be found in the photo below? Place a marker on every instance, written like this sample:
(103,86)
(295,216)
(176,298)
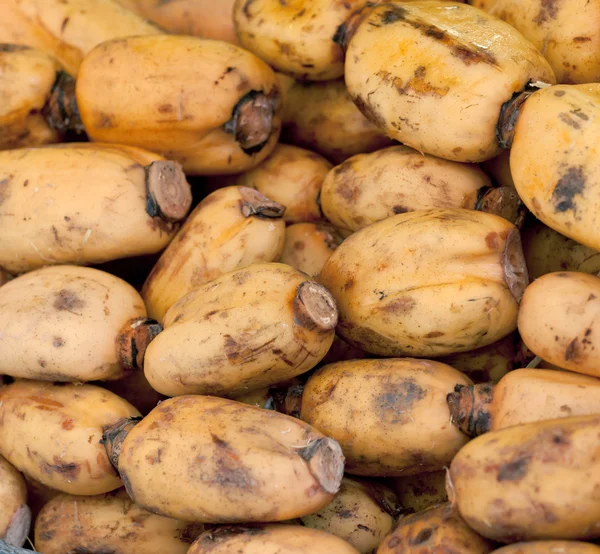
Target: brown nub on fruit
(61,111)
(256,204)
(314,307)
(134,339)
(326,463)
(168,194)
(252,120)
(470,408)
(509,113)
(114,435)
(347,30)
(293,401)
(505,202)
(18,528)
(331,236)
(516,276)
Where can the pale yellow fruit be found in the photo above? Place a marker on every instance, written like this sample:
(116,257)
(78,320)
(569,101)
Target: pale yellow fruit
(549,547)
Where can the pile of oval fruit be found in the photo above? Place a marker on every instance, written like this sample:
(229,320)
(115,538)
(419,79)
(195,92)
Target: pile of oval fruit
(299,277)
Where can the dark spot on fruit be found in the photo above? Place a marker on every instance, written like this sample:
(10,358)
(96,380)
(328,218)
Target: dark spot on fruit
(573,350)
(57,342)
(230,472)
(67,301)
(559,93)
(393,15)
(69,471)
(349,284)
(566,409)
(393,542)
(513,471)
(299,245)
(86,550)
(67,424)
(4,184)
(434,335)
(582,39)
(423,536)
(394,405)
(345,514)
(566,118)
(42,362)
(401,305)
(397,209)
(231,348)
(548,10)
(104,121)
(13,48)
(367,109)
(492,240)
(64,24)
(571,184)
(165,108)
(363,528)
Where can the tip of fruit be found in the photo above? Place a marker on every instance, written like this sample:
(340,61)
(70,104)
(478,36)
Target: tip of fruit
(514,266)
(257,204)
(326,463)
(315,306)
(169,195)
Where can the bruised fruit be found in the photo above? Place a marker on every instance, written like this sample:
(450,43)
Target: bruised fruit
(78,324)
(435,529)
(523,396)
(53,434)
(389,416)
(293,177)
(109,522)
(15,515)
(208,104)
(418,492)
(99,203)
(435,75)
(558,317)
(549,547)
(530,482)
(241,463)
(245,330)
(554,156)
(428,283)
(362,513)
(230,229)
(309,245)
(269,539)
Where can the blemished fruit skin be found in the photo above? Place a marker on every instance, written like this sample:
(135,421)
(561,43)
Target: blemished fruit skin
(531,482)
(371,187)
(418,492)
(208,459)
(389,416)
(428,283)
(269,539)
(15,515)
(247,329)
(109,522)
(434,75)
(362,513)
(208,104)
(566,33)
(549,547)
(435,529)
(566,335)
(94,200)
(52,433)
(231,228)
(553,159)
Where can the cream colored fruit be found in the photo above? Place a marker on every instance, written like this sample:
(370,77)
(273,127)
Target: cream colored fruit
(109,522)
(15,515)
(418,492)
(567,335)
(531,482)
(231,228)
(549,547)
(428,283)
(52,433)
(245,330)
(389,416)
(553,159)
(210,105)
(243,464)
(435,75)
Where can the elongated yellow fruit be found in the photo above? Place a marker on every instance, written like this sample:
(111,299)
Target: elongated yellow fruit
(550,547)
(109,522)
(53,434)
(428,283)
(245,330)
(242,463)
(15,515)
(78,324)
(94,203)
(208,104)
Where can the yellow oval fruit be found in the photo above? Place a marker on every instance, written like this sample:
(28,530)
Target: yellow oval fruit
(109,522)
(269,539)
(549,547)
(558,320)
(418,492)
(440,84)
(428,283)
(52,433)
(553,159)
(531,482)
(231,228)
(94,203)
(371,187)
(208,104)
(293,177)
(15,515)
(400,419)
(242,464)
(362,513)
(245,330)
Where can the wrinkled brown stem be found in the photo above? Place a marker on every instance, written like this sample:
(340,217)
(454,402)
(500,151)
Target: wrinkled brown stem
(6,548)
(288,401)
(516,275)
(134,339)
(347,30)
(113,438)
(256,204)
(169,195)
(470,408)
(505,202)
(326,463)
(314,307)
(509,114)
(18,528)
(61,111)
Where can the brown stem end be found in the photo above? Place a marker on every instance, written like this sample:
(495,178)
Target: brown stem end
(514,266)
(505,202)
(315,307)
(134,339)
(168,194)
(61,111)
(113,438)
(470,408)
(326,463)
(347,30)
(256,204)
(509,113)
